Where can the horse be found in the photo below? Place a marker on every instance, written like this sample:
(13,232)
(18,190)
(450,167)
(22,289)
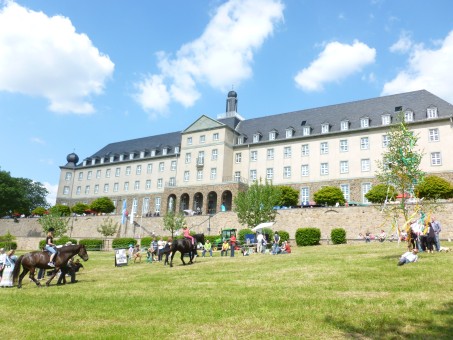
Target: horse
(185,246)
(40,259)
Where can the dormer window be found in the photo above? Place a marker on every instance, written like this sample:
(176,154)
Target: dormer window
(153,152)
(364,122)
(273,135)
(142,154)
(325,128)
(306,131)
(164,151)
(131,155)
(121,157)
(240,140)
(176,149)
(386,119)
(431,112)
(344,125)
(408,116)
(256,137)
(289,132)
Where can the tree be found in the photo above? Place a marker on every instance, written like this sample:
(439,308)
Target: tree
(20,195)
(433,188)
(381,192)
(329,196)
(60,210)
(288,196)
(255,205)
(79,208)
(173,222)
(102,205)
(108,227)
(39,211)
(57,222)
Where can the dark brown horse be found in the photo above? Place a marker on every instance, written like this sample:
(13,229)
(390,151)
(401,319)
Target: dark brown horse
(184,246)
(39,259)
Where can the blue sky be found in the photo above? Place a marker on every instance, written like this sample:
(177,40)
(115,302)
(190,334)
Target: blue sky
(77,75)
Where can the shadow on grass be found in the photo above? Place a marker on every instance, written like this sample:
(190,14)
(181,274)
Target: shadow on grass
(404,327)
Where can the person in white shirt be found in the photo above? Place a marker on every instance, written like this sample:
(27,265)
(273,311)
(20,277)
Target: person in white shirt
(259,243)
(408,257)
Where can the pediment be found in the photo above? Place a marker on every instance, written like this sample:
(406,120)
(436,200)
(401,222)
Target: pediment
(204,123)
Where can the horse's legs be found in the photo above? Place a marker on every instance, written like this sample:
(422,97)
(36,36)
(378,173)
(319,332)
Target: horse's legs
(53,275)
(182,258)
(171,258)
(21,276)
(32,276)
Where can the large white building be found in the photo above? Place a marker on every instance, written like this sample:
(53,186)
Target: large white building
(211,160)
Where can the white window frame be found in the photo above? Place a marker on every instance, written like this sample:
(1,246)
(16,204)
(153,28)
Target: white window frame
(128,170)
(344,145)
(186,176)
(324,169)
(189,141)
(253,175)
(386,119)
(253,156)
(306,131)
(365,165)
(116,187)
(325,128)
(148,184)
(215,136)
(117,172)
(324,148)
(68,176)
(270,174)
(287,152)
(161,166)
(344,167)
(126,186)
(188,158)
(305,150)
(106,187)
(256,138)
(80,175)
(66,190)
(240,140)
(138,170)
(214,154)
(270,154)
(160,183)
(199,175)
(98,174)
(346,190)
(287,172)
(137,185)
(364,122)
(436,158)
(431,112)
(364,143)
(304,194)
(213,173)
(237,176)
(344,125)
(202,139)
(238,157)
(173,166)
(149,168)
(96,188)
(409,116)
(272,135)
(365,188)
(433,135)
(385,140)
(79,188)
(289,133)
(89,175)
(304,170)
(87,190)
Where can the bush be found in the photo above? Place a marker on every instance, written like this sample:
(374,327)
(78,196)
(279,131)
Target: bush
(268,234)
(338,236)
(211,238)
(329,196)
(92,244)
(380,192)
(308,236)
(433,188)
(123,242)
(146,241)
(242,233)
(8,245)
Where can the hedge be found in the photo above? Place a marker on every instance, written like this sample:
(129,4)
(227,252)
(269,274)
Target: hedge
(8,245)
(242,233)
(338,236)
(308,236)
(59,242)
(284,235)
(123,242)
(92,244)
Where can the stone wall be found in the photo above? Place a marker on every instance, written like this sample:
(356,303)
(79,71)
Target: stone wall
(355,220)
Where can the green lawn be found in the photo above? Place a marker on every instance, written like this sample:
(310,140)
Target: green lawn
(323,292)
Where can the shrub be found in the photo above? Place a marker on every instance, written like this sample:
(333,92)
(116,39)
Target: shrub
(242,233)
(380,192)
(338,236)
(308,236)
(433,188)
(268,234)
(284,235)
(329,196)
(60,210)
(211,238)
(123,242)
(92,244)
(8,245)
(146,241)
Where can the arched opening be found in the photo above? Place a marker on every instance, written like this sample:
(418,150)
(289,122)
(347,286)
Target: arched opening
(227,201)
(171,203)
(184,202)
(198,203)
(212,203)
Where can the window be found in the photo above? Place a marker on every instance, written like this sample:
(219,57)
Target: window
(78,190)
(68,176)
(253,175)
(289,133)
(287,152)
(344,167)
(325,128)
(237,176)
(344,125)
(98,174)
(157,202)
(173,166)
(116,187)
(385,119)
(200,160)
(161,166)
(256,138)
(324,169)
(287,172)
(202,139)
(306,131)
(364,122)
(148,184)
(324,148)
(189,140)
(346,191)
(431,112)
(90,173)
(188,157)
(238,157)
(409,116)
(126,186)
(214,154)
(186,176)
(385,140)
(305,150)
(435,158)
(365,188)
(176,150)
(65,190)
(96,188)
(304,194)
(270,154)
(269,173)
(164,151)
(254,156)
(134,206)
(159,183)
(240,140)
(128,170)
(213,173)
(344,147)
(433,135)
(137,185)
(215,136)
(149,168)
(272,135)
(117,172)
(364,143)
(145,206)
(153,152)
(365,164)
(87,190)
(138,170)
(172,182)
(199,175)
(304,170)
(106,187)
(80,176)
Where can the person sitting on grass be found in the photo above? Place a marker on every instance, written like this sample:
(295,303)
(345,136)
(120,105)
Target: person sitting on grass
(408,257)
(207,248)
(382,236)
(225,248)
(286,248)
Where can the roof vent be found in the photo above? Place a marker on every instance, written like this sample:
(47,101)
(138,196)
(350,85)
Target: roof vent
(398,108)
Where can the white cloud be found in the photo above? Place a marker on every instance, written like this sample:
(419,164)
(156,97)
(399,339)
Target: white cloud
(428,69)
(52,196)
(220,57)
(45,56)
(336,62)
(37,140)
(403,44)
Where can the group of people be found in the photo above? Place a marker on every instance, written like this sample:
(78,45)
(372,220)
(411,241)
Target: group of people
(425,234)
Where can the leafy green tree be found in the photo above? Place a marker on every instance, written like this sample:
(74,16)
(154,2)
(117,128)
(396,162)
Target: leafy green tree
(288,196)
(20,195)
(56,221)
(60,210)
(380,192)
(39,211)
(108,227)
(255,205)
(102,205)
(174,222)
(79,208)
(329,196)
(433,188)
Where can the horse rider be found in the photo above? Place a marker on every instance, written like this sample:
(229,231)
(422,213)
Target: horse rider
(187,235)
(50,247)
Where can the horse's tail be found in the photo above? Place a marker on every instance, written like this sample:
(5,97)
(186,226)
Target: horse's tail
(16,269)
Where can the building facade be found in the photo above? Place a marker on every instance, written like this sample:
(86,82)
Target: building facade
(203,167)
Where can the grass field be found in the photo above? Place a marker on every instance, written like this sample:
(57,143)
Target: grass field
(323,292)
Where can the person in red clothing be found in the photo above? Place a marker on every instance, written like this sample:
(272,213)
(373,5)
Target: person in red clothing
(187,234)
(286,248)
(232,244)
